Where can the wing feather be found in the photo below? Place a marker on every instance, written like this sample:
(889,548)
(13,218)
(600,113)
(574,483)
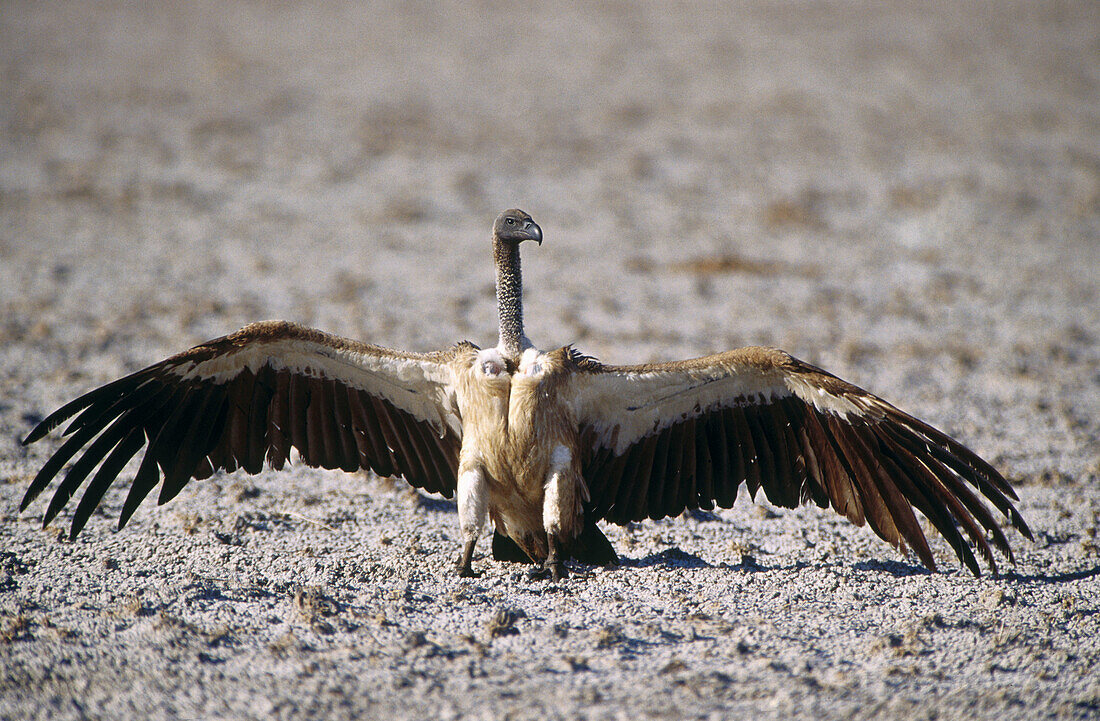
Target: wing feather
(636,492)
(240,403)
(719,485)
(607,476)
(250,397)
(278,423)
(316,433)
(84,466)
(257,426)
(405,444)
(373,444)
(694,466)
(299,420)
(659,438)
(775,475)
(742,433)
(728,470)
(923,491)
(176,460)
(838,484)
(875,509)
(343,427)
(219,453)
(660,477)
(104,477)
(877,485)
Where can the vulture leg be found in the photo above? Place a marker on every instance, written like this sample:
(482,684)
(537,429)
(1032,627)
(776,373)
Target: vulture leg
(473,510)
(554,565)
(562,511)
(464,558)
(555,561)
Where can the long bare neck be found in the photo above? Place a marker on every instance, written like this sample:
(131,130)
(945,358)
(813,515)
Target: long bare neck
(509,299)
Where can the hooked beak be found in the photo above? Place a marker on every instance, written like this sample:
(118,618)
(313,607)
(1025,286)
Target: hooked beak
(534,232)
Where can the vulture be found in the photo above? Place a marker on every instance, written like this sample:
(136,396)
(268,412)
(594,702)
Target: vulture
(542,444)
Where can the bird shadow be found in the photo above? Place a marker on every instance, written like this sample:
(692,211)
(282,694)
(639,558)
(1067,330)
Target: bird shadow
(435,505)
(897,569)
(668,558)
(1066,577)
(676,558)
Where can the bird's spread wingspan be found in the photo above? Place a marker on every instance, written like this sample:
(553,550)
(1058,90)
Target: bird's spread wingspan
(665,437)
(251,396)
(633,442)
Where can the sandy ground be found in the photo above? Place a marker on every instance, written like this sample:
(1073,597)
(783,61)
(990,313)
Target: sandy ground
(906,195)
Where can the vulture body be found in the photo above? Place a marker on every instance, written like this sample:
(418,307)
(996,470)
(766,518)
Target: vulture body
(540,444)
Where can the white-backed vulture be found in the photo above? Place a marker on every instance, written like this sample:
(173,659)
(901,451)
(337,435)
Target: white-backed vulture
(542,444)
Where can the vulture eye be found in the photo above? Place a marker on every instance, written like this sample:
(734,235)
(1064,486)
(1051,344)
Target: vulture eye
(511,221)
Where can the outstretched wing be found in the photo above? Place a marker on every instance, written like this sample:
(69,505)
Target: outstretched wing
(253,395)
(662,438)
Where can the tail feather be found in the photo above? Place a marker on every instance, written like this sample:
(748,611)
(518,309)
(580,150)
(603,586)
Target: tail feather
(593,547)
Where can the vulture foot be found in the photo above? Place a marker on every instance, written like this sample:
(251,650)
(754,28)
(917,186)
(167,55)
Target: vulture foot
(549,571)
(466,572)
(554,565)
(463,566)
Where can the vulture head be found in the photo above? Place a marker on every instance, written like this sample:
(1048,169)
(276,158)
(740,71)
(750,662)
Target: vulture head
(515,226)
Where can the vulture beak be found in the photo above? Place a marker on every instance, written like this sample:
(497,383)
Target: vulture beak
(534,232)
